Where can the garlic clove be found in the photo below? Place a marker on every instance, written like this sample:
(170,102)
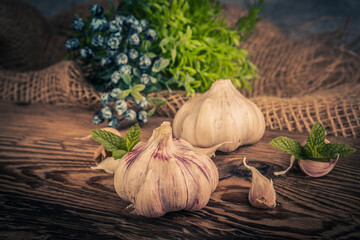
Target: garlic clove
(109,165)
(262,192)
(317,169)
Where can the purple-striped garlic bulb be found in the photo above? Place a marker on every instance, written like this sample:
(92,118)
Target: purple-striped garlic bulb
(164,175)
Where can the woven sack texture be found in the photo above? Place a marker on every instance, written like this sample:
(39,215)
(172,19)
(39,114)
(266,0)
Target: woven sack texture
(301,81)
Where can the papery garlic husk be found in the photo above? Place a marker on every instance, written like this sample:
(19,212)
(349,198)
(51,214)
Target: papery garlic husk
(310,167)
(222,114)
(165,175)
(262,192)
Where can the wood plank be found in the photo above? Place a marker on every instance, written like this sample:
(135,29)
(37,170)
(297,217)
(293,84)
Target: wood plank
(47,189)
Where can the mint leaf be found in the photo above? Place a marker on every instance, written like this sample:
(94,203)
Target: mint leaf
(315,141)
(331,150)
(109,140)
(117,154)
(132,137)
(288,145)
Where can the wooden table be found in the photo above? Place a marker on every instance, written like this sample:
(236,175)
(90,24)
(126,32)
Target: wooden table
(48,191)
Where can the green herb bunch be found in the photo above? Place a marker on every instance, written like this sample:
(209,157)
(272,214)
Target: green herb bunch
(202,48)
(315,148)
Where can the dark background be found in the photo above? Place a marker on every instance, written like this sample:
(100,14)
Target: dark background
(296,17)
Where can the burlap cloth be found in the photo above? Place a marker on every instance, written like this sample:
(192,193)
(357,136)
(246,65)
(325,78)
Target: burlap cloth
(301,81)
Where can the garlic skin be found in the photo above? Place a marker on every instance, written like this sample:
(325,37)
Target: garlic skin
(165,175)
(222,114)
(262,193)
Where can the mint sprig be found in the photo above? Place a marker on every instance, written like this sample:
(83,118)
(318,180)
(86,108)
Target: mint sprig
(315,148)
(117,145)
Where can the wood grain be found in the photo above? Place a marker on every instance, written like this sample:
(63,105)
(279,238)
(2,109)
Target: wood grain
(48,191)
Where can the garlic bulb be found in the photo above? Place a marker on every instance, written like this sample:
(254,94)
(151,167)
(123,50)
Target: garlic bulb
(220,115)
(165,175)
(262,193)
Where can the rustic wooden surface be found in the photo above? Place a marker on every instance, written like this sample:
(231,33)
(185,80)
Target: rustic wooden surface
(48,191)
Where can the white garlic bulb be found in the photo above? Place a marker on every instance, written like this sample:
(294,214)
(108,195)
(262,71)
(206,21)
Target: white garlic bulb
(165,175)
(222,114)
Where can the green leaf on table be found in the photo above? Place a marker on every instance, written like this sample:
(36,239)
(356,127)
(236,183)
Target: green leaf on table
(132,137)
(152,79)
(118,154)
(288,145)
(331,150)
(109,140)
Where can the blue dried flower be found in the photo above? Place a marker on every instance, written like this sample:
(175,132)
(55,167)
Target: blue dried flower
(115,77)
(144,23)
(106,113)
(141,104)
(125,69)
(96,10)
(120,106)
(98,24)
(105,98)
(117,34)
(131,20)
(105,62)
(97,118)
(121,59)
(134,39)
(78,24)
(72,43)
(113,43)
(130,115)
(114,93)
(145,79)
(115,26)
(144,62)
(142,116)
(86,52)
(97,41)
(150,34)
(136,29)
(114,122)
(133,54)
(120,19)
